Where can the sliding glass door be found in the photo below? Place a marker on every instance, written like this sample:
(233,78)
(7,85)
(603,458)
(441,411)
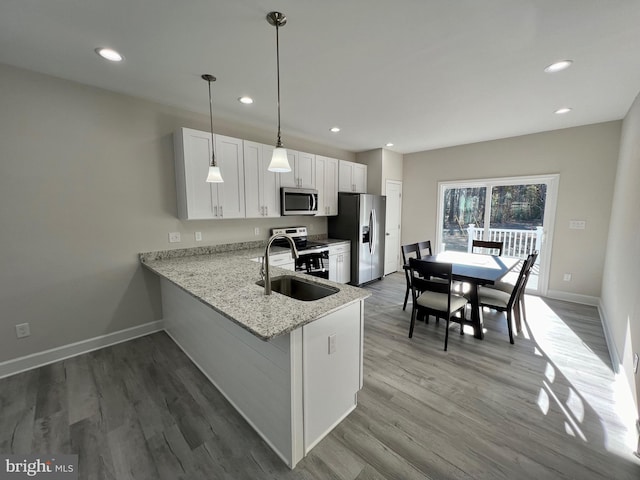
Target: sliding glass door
(516,211)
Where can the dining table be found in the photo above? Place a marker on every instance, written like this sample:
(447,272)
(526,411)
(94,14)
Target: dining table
(474,269)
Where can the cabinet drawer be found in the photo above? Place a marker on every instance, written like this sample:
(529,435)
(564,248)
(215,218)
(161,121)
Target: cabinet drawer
(339,248)
(280,259)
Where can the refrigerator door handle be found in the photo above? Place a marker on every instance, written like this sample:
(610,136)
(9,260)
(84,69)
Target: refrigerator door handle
(373,232)
(370,230)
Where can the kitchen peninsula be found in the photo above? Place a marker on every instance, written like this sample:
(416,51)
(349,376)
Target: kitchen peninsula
(292,368)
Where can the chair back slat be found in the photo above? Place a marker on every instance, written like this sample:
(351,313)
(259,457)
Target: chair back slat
(499,246)
(423,273)
(410,250)
(424,248)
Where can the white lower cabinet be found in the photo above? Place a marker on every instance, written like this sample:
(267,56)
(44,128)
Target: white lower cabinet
(282,260)
(292,389)
(331,370)
(340,263)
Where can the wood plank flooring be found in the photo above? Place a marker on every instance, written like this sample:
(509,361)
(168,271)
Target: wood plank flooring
(542,408)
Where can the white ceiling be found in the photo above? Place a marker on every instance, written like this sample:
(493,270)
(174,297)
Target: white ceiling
(422,74)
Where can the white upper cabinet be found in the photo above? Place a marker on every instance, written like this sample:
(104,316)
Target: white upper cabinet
(197,199)
(192,150)
(353,177)
(230,159)
(302,174)
(262,187)
(327,185)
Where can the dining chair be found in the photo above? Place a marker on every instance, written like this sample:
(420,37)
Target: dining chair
(434,297)
(485,245)
(424,248)
(507,302)
(508,282)
(410,250)
(533,256)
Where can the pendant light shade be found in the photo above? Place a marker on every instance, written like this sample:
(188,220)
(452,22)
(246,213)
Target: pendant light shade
(279,160)
(214,176)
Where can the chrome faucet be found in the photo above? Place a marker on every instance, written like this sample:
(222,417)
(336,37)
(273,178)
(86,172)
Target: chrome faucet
(265,274)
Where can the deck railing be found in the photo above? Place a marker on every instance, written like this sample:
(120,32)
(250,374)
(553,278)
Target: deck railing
(517,243)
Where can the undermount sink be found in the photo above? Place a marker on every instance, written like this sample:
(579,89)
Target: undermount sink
(299,289)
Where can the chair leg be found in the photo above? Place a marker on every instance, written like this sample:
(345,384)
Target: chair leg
(509,327)
(523,311)
(446,335)
(413,321)
(406,297)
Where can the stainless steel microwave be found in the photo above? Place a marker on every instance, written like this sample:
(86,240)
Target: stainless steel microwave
(298,201)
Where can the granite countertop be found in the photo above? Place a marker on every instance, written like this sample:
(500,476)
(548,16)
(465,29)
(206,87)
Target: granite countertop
(224,277)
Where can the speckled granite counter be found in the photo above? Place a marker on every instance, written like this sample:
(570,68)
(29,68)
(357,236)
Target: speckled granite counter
(224,278)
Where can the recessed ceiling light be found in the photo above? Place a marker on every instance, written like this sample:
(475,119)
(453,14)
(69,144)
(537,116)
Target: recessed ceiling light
(246,100)
(562,110)
(335,129)
(109,54)
(558,66)
(389,144)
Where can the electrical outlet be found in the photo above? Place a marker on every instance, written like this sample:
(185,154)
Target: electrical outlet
(332,344)
(174,237)
(198,236)
(567,277)
(256,231)
(636,359)
(23,330)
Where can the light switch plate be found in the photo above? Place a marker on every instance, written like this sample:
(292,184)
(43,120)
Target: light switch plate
(577,224)
(174,237)
(635,363)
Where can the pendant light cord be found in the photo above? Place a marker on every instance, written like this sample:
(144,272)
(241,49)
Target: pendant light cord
(279,143)
(213,153)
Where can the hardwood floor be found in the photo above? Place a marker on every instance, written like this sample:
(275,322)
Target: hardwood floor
(542,408)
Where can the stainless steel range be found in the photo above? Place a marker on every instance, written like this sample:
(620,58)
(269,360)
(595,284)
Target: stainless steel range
(313,256)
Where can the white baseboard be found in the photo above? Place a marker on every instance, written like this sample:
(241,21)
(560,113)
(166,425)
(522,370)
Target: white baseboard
(35,360)
(608,336)
(573,297)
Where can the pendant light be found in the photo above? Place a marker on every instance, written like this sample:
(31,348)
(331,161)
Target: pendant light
(214,171)
(279,160)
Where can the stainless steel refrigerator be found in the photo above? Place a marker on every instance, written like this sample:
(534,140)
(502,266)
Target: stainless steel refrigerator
(361,219)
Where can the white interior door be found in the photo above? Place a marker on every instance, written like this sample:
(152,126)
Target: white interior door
(394,217)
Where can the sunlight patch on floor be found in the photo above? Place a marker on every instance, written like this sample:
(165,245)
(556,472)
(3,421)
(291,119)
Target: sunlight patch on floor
(545,328)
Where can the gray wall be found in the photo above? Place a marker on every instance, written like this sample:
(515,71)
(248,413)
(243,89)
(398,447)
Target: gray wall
(86,183)
(621,283)
(585,158)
